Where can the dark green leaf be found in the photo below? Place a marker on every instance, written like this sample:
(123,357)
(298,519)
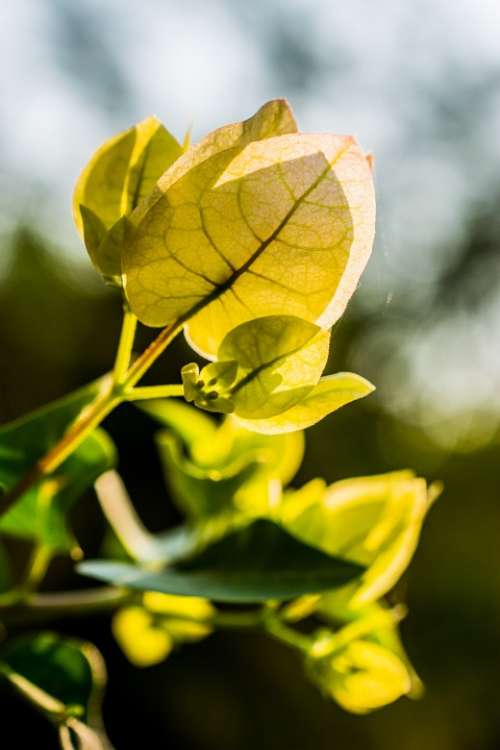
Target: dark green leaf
(40,513)
(258,562)
(63,677)
(56,665)
(4,569)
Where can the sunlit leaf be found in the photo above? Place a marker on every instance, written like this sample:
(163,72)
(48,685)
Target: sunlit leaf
(375,521)
(280,456)
(41,512)
(258,562)
(272,119)
(280,358)
(199,491)
(215,468)
(247,227)
(189,424)
(332,392)
(120,174)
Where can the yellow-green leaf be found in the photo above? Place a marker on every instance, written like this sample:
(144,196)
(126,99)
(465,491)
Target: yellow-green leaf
(272,119)
(375,521)
(280,225)
(212,470)
(121,173)
(332,392)
(269,364)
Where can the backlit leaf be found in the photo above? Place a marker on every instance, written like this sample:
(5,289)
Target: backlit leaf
(332,392)
(279,357)
(201,491)
(247,227)
(216,468)
(375,521)
(121,173)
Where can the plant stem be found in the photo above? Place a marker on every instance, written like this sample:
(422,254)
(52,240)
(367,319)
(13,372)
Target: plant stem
(92,416)
(85,423)
(37,567)
(151,354)
(281,632)
(155,391)
(38,698)
(121,516)
(66,604)
(124,352)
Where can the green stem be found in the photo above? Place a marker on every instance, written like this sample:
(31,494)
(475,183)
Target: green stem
(41,607)
(37,567)
(151,354)
(35,571)
(154,391)
(120,513)
(281,632)
(124,352)
(38,698)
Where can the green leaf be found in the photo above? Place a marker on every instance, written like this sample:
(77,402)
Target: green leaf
(199,491)
(280,358)
(122,172)
(249,223)
(189,424)
(64,677)
(332,392)
(212,469)
(63,668)
(41,512)
(374,521)
(264,367)
(56,665)
(5,571)
(259,562)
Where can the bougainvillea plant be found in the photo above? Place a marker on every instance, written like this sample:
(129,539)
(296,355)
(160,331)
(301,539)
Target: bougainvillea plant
(251,243)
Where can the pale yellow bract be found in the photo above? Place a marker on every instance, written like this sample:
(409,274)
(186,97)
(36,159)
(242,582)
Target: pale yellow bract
(328,395)
(121,173)
(257,220)
(375,521)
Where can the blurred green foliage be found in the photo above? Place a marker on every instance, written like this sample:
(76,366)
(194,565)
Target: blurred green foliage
(56,331)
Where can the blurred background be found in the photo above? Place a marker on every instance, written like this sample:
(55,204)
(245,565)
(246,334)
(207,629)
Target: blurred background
(419,85)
